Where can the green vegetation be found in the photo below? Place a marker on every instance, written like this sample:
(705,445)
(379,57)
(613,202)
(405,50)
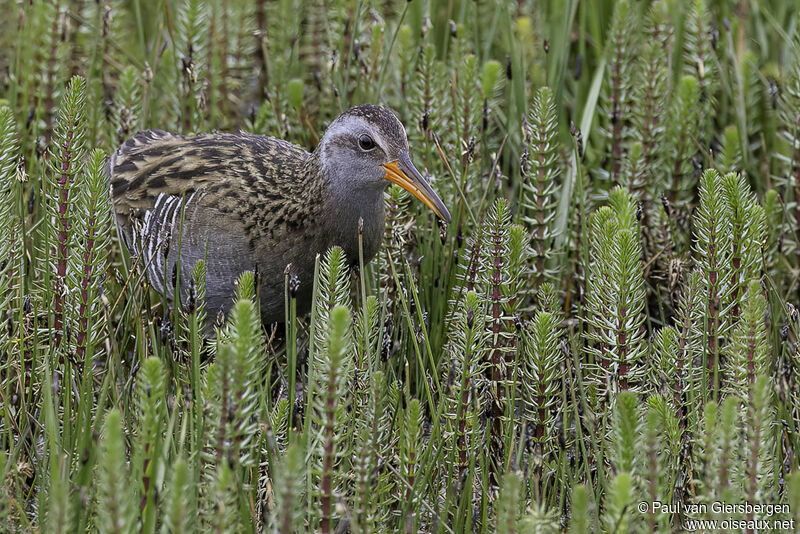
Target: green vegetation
(609,319)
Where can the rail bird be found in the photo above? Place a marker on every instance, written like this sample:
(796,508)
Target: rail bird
(244,202)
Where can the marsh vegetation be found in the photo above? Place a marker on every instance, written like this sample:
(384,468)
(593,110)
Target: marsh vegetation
(610,318)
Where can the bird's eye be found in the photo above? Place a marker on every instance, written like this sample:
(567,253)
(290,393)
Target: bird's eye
(366,143)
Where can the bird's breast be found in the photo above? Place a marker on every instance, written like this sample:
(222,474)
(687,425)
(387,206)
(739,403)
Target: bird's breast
(356,224)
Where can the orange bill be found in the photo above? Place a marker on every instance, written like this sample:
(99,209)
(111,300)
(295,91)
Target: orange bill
(403,173)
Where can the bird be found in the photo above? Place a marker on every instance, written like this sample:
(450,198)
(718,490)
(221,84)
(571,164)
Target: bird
(246,202)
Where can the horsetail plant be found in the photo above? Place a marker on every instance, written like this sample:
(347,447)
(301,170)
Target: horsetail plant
(755,118)
(466,110)
(407,52)
(702,459)
(601,231)
(367,333)
(651,94)
(618,90)
(54,32)
(775,228)
(468,341)
(626,426)
(148,454)
(332,376)
(749,351)
(747,220)
(670,431)
(508,504)
(397,229)
(789,157)
(759,457)
(635,176)
(10,227)
(93,226)
(410,454)
(230,56)
(116,506)
(724,459)
(730,157)
(491,85)
(653,466)
(496,281)
(127,105)
(193,318)
(713,248)
(192,61)
(333,290)
(180,511)
(286,514)
(473,380)
(540,373)
(647,162)
(540,175)
(793,492)
(230,431)
(699,61)
(218,506)
(373,442)
(60,513)
(582,514)
(618,515)
(66,168)
(670,370)
(245,376)
(690,324)
(616,297)
(680,133)
(425,99)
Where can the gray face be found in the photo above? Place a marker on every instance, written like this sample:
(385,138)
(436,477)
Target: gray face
(357,145)
(364,150)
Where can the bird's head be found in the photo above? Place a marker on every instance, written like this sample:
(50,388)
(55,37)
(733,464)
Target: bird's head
(366,149)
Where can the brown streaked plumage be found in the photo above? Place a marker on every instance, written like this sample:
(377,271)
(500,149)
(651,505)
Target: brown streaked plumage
(246,202)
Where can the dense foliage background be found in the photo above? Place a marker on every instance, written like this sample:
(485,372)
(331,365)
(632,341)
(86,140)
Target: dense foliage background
(609,319)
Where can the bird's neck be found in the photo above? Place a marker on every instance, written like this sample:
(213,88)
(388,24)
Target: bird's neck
(346,212)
